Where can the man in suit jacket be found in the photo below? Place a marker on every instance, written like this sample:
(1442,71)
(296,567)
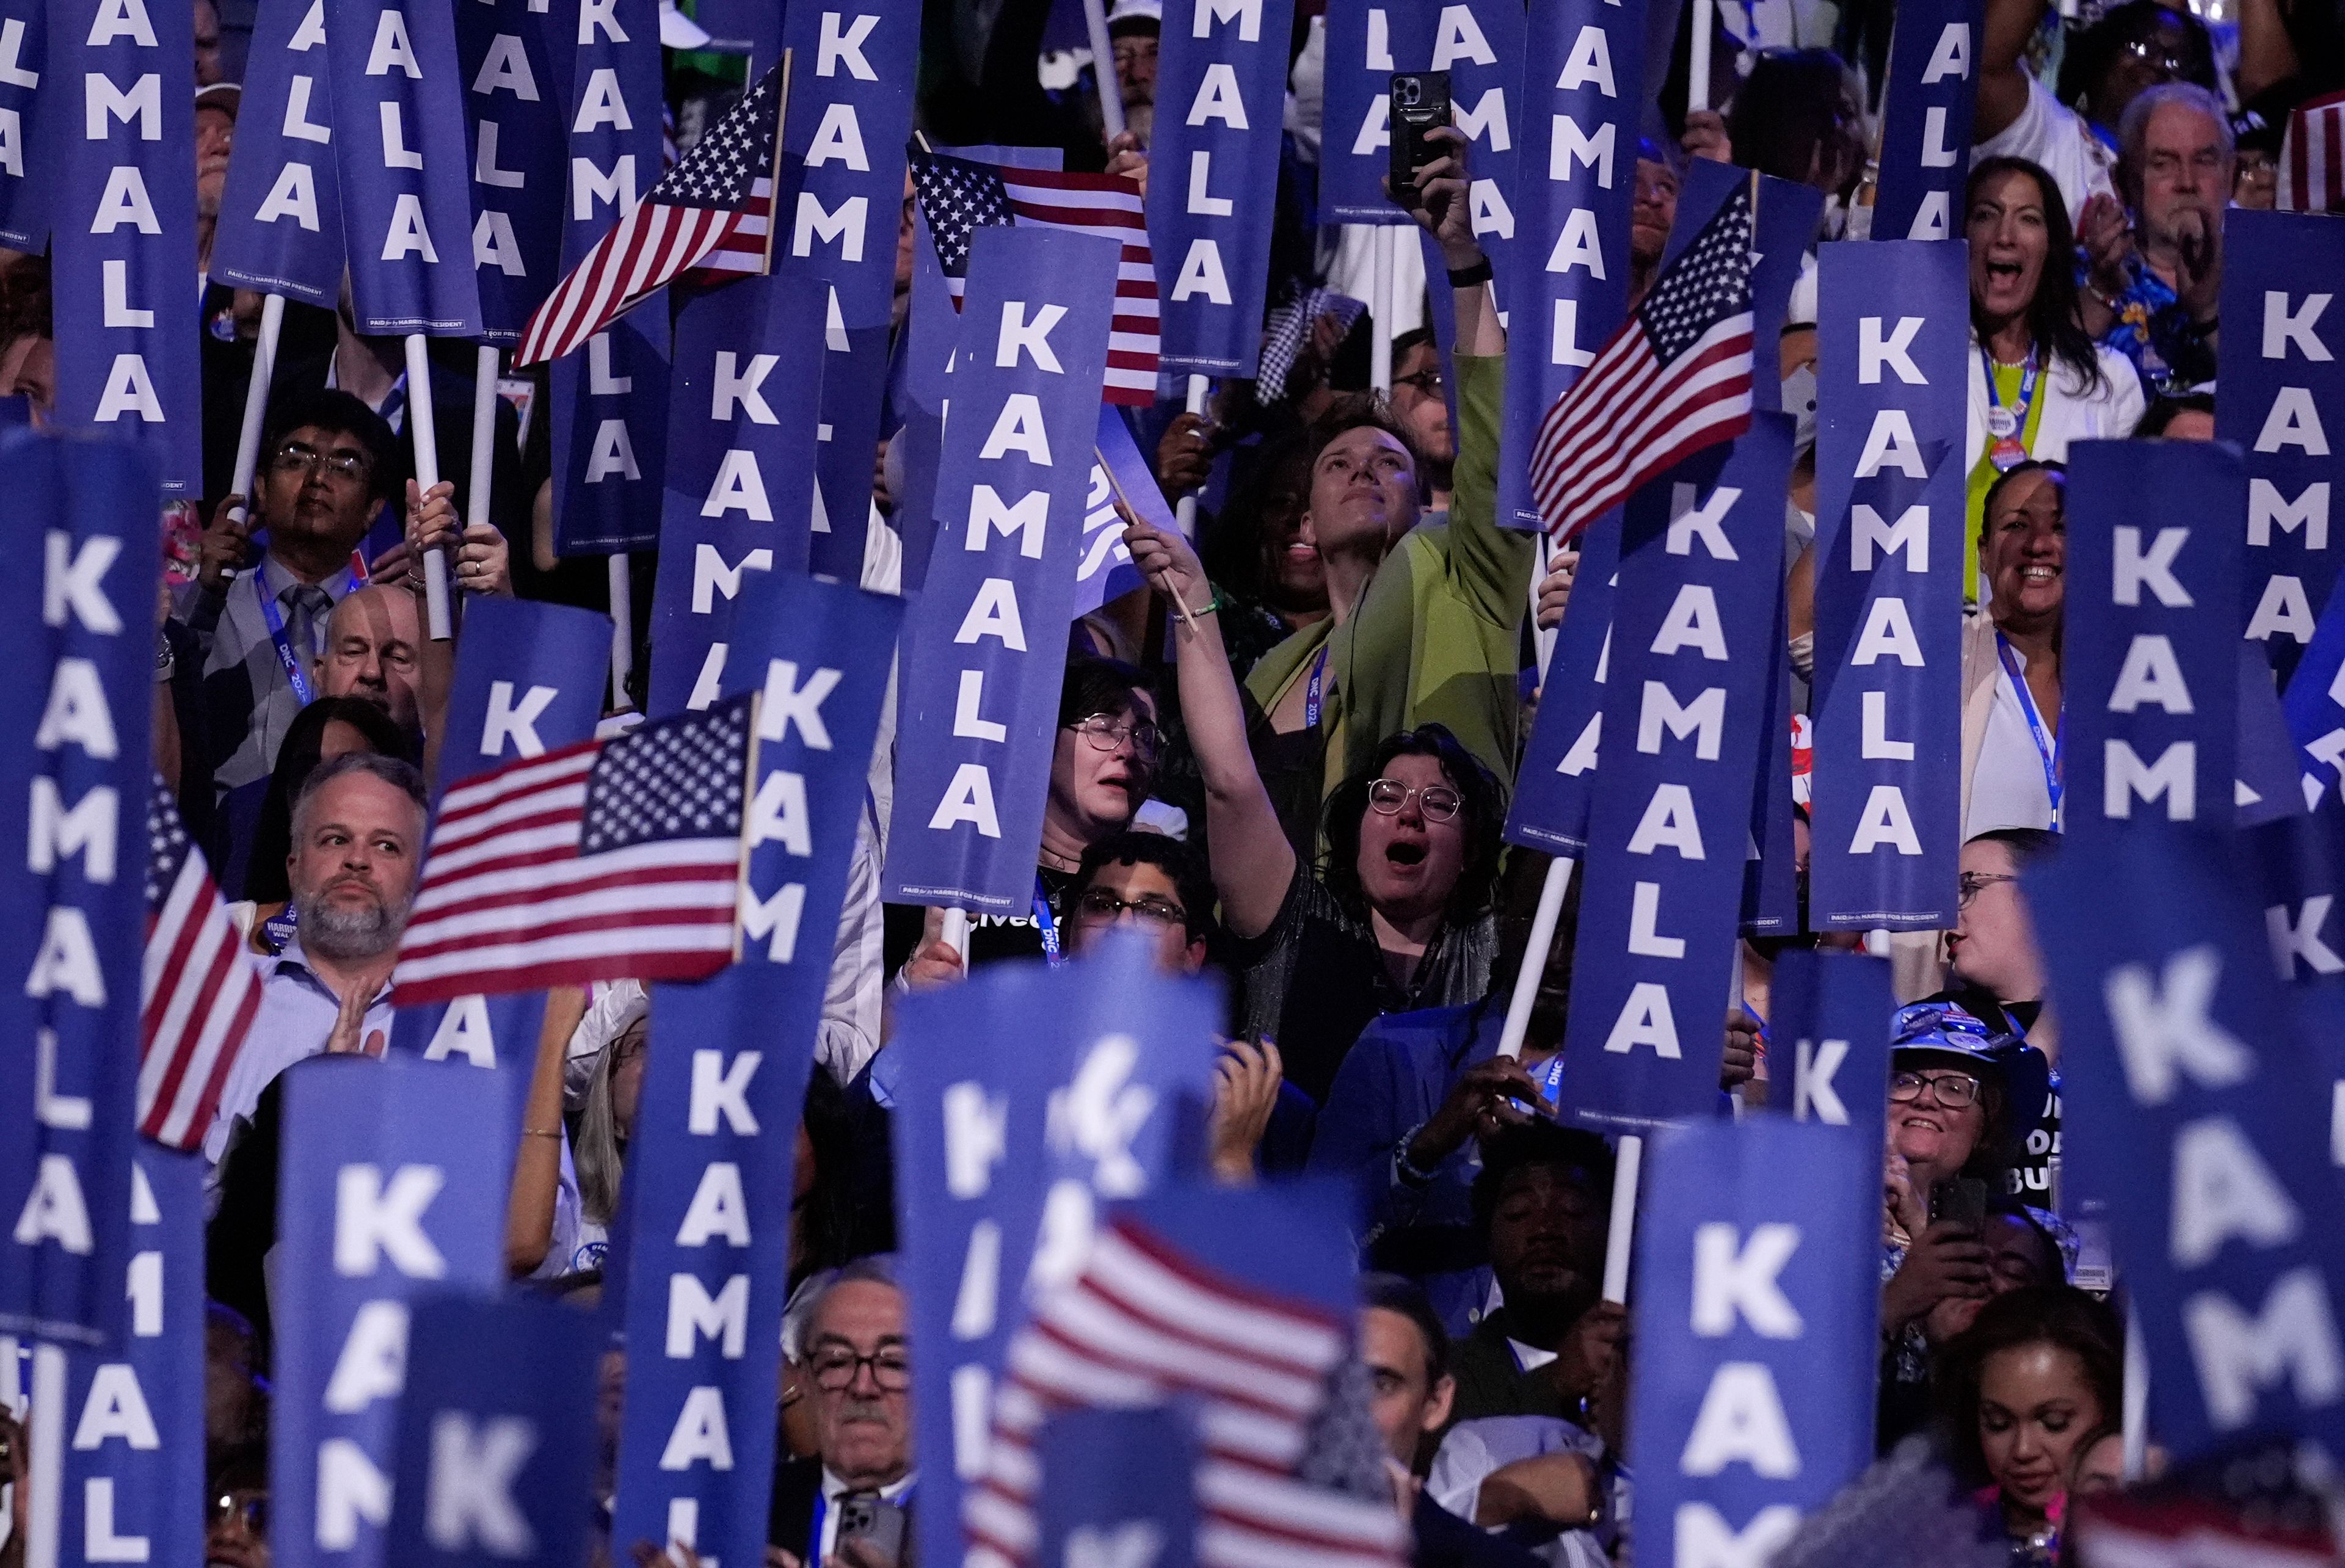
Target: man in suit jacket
(857,1359)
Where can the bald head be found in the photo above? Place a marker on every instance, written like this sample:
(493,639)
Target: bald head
(371,646)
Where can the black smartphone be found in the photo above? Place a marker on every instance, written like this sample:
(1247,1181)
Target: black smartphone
(1960,1198)
(1420,101)
(866,1517)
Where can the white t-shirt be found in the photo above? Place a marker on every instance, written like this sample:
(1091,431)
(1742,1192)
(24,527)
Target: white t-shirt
(2047,132)
(2008,788)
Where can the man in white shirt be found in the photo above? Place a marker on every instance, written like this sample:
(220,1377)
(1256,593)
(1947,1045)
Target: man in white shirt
(848,1506)
(358,832)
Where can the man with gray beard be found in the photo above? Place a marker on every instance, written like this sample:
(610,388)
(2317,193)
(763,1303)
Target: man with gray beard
(357,836)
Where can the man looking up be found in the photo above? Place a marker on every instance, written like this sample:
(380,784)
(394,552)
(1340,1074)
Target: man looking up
(858,1356)
(328,463)
(358,832)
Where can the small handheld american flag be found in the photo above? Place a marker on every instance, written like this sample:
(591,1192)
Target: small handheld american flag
(1675,378)
(1143,1324)
(712,215)
(608,860)
(2312,158)
(959,197)
(197,992)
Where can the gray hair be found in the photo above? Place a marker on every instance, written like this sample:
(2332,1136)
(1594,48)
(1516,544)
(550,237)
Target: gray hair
(800,1313)
(399,774)
(2134,127)
(872,1269)
(600,1149)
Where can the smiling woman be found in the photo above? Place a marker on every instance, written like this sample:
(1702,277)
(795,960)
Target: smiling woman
(2012,774)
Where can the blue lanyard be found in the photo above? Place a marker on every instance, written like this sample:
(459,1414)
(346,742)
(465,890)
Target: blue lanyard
(821,1508)
(1311,692)
(2019,405)
(1044,919)
(2047,753)
(284,644)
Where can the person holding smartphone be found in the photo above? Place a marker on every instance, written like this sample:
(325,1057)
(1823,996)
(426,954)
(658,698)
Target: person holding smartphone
(849,1506)
(1962,1102)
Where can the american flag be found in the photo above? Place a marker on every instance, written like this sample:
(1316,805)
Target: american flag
(1142,1325)
(1675,378)
(607,860)
(197,991)
(709,215)
(2312,158)
(959,197)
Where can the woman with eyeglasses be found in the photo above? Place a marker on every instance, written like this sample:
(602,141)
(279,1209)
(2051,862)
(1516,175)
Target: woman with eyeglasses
(1102,769)
(1961,1102)
(236,1511)
(1399,917)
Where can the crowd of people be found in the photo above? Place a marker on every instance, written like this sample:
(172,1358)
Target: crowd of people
(1299,787)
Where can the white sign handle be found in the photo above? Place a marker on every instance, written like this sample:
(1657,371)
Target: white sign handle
(427,475)
(1622,1238)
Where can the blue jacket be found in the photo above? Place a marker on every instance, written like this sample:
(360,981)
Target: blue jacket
(1390,1084)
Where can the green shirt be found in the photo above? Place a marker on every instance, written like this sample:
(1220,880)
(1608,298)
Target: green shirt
(1435,639)
(2007,395)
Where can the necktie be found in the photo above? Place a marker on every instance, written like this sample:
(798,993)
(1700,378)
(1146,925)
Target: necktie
(309,606)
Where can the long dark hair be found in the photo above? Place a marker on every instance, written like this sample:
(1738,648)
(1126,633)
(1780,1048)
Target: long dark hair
(305,738)
(2057,1315)
(2052,317)
(1483,816)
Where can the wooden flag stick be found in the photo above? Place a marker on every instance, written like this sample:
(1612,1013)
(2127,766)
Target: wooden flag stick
(1163,584)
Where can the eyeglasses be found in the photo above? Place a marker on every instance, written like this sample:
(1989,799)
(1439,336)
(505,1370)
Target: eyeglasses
(294,457)
(836,1368)
(1427,383)
(251,1507)
(1969,885)
(1439,803)
(1098,906)
(2155,54)
(1952,1090)
(1106,734)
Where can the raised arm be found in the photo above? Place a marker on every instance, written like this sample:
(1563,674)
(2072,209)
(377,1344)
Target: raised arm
(1252,863)
(2002,80)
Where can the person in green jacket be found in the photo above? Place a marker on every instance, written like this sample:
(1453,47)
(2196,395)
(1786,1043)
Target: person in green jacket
(1426,620)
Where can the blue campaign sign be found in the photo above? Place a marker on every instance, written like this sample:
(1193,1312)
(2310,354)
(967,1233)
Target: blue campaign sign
(1771,886)
(2299,872)
(1119,472)
(529,680)
(1025,1100)
(281,217)
(1891,383)
(1222,79)
(1367,41)
(122,94)
(1756,1352)
(24,59)
(406,209)
(2270,777)
(1583,63)
(2278,375)
(74,781)
(2149,712)
(1828,1033)
(707,1272)
(1122,1489)
(2202,1116)
(512,58)
(738,490)
(1480,44)
(979,707)
(2314,703)
(850,116)
(134,1466)
(609,405)
(1785,215)
(496,1435)
(391,1185)
(1701,546)
(1927,108)
(1552,793)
